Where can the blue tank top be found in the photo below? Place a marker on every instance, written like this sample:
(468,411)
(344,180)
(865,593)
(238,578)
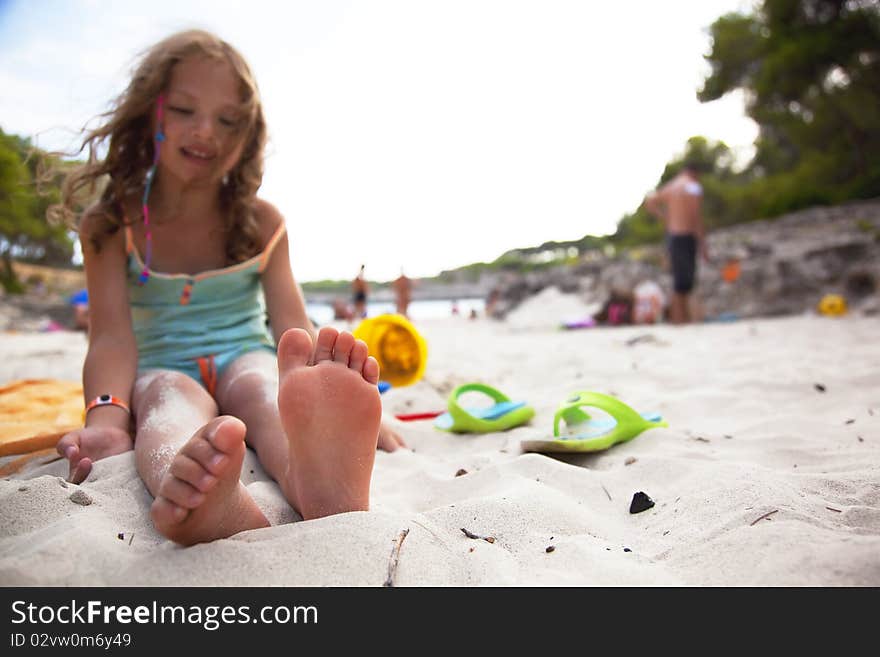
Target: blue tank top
(180,317)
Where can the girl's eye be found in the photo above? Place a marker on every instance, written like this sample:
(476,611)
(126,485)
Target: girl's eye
(180,110)
(229,123)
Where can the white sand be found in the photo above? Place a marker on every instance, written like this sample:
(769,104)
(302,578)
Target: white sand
(749,436)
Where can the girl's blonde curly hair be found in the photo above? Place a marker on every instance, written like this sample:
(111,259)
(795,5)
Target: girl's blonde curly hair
(129,128)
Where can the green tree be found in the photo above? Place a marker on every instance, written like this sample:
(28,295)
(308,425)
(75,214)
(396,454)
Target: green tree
(810,70)
(24,231)
(14,208)
(720,184)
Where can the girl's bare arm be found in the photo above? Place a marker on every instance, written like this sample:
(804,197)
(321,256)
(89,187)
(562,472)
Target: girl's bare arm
(285,303)
(111,361)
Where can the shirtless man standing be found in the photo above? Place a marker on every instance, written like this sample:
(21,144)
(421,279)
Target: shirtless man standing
(678,204)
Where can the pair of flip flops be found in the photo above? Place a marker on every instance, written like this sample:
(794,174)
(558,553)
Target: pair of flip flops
(584,433)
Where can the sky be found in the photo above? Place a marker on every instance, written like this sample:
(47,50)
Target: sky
(414,135)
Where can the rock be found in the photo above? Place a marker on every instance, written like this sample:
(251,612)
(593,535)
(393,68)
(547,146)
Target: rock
(787,265)
(80,497)
(640,502)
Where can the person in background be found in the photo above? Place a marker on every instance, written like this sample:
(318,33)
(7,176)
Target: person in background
(360,289)
(492,302)
(649,302)
(341,310)
(678,204)
(617,310)
(79,300)
(403,293)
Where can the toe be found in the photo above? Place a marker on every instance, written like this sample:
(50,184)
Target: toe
(188,470)
(212,446)
(294,349)
(371,370)
(358,357)
(164,510)
(342,348)
(324,344)
(180,493)
(202,452)
(226,433)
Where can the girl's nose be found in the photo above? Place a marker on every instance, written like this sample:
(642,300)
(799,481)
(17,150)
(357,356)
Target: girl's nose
(204,126)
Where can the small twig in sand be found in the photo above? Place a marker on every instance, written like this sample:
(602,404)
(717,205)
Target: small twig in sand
(395,555)
(764,517)
(835,510)
(606,491)
(488,539)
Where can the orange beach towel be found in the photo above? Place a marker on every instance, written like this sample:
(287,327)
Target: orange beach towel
(35,413)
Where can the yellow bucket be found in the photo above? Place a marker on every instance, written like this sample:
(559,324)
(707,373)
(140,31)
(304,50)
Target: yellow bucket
(394,342)
(832,305)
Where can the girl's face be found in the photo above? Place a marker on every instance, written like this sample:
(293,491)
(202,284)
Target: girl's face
(203,122)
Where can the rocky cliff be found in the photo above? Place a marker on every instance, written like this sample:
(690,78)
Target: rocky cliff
(785,266)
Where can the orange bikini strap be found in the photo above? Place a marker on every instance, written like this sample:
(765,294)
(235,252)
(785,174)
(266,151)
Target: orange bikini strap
(208,371)
(129,240)
(270,246)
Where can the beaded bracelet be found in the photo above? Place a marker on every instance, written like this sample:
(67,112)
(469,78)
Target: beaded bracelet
(107,400)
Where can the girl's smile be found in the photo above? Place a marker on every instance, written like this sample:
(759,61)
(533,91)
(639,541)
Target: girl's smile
(199,155)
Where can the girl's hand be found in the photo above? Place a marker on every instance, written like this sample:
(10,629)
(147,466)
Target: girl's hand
(82,447)
(389,439)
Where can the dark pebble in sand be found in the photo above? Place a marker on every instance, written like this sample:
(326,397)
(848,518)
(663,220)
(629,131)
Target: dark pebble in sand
(640,502)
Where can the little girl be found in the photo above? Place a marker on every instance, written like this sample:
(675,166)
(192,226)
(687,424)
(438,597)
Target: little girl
(180,257)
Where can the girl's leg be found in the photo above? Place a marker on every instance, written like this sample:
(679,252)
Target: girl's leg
(190,460)
(318,441)
(248,390)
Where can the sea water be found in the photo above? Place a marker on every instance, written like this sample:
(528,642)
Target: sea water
(322,313)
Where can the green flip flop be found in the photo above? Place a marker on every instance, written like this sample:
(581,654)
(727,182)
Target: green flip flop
(593,434)
(502,415)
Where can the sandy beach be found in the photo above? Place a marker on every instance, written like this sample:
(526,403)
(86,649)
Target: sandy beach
(768,474)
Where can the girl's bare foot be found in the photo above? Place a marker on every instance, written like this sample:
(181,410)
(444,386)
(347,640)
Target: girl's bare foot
(330,410)
(200,497)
